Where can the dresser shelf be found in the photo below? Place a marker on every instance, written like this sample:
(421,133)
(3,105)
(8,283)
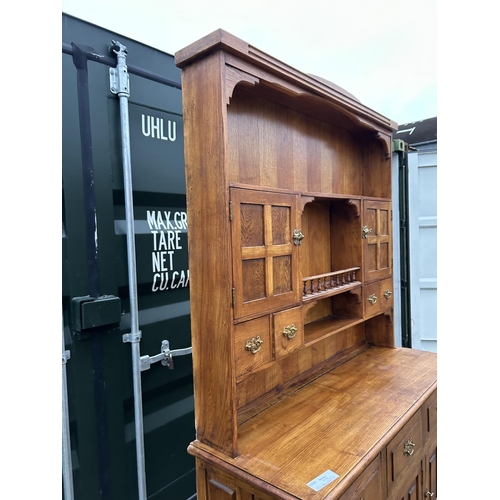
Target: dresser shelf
(326,327)
(329,284)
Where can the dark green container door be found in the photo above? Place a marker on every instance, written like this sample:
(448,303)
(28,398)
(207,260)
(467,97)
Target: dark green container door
(95,280)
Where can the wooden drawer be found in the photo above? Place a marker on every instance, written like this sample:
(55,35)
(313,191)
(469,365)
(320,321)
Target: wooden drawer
(216,484)
(288,329)
(253,347)
(368,486)
(377,297)
(404,453)
(386,292)
(220,487)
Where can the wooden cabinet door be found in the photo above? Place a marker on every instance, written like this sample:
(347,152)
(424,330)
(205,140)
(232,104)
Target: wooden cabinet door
(265,257)
(430,479)
(429,409)
(412,490)
(377,236)
(368,486)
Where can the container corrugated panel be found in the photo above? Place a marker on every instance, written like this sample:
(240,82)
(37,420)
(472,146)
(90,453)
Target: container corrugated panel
(95,277)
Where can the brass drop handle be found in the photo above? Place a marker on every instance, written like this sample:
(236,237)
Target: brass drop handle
(297,237)
(372,298)
(409,448)
(387,294)
(366,231)
(429,494)
(253,345)
(290,331)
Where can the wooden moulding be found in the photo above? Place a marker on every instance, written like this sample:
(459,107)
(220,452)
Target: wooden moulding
(251,57)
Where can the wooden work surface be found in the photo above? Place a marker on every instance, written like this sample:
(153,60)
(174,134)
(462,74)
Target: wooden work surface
(338,422)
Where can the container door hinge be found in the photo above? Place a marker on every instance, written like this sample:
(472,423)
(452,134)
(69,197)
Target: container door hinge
(234,297)
(119,81)
(231,211)
(65,356)
(399,146)
(165,356)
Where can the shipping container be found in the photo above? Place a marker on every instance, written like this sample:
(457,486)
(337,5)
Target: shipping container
(99,302)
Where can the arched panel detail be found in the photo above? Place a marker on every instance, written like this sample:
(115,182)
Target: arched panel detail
(234,77)
(386,142)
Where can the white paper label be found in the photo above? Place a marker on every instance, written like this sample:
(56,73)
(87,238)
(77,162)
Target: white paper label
(322,480)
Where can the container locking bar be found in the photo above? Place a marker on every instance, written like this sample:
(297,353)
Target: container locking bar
(67,467)
(165,356)
(120,85)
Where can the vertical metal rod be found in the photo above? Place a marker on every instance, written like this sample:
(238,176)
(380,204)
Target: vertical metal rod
(120,86)
(66,441)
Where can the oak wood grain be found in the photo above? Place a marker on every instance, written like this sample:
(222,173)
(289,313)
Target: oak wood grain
(206,200)
(270,150)
(273,146)
(340,421)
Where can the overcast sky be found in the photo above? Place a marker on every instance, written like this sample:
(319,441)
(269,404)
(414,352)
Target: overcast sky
(382,52)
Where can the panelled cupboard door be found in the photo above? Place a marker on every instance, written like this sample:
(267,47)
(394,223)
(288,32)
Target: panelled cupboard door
(377,236)
(430,488)
(412,491)
(368,486)
(265,257)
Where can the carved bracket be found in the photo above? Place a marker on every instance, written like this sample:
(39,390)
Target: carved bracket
(357,293)
(387,143)
(304,200)
(235,76)
(389,315)
(355,205)
(309,305)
